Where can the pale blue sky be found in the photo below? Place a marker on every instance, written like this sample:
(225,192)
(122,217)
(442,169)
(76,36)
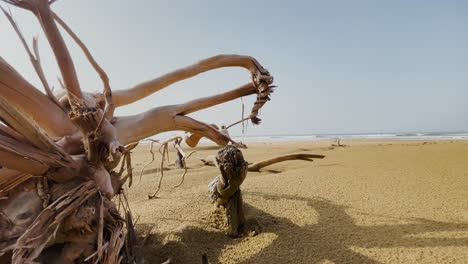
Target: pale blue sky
(341,66)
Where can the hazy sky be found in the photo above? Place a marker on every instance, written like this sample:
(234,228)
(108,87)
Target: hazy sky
(341,66)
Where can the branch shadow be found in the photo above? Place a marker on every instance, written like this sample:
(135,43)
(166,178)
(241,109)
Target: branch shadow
(335,232)
(185,246)
(331,238)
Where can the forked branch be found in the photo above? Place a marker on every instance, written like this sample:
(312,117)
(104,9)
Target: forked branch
(109,108)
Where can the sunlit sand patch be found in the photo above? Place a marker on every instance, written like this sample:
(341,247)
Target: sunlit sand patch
(360,213)
(415,255)
(298,212)
(442,234)
(249,247)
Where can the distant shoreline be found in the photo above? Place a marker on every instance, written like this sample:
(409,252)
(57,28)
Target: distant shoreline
(382,136)
(430,136)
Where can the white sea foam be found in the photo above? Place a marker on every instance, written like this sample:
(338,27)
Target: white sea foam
(362,136)
(396,136)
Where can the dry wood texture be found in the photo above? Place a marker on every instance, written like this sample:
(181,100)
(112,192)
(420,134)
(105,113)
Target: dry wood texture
(60,156)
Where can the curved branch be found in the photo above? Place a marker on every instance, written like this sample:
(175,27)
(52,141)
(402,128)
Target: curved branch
(188,124)
(261,164)
(162,119)
(142,90)
(151,161)
(185,157)
(255,167)
(209,101)
(161,168)
(192,139)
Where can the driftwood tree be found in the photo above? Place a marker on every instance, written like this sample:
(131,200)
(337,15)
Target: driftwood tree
(60,155)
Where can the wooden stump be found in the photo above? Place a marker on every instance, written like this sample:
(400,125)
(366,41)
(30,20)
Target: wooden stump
(225,188)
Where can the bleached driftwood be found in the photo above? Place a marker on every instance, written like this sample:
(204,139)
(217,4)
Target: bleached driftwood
(257,166)
(60,156)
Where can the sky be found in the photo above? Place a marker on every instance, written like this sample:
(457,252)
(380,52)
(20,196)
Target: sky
(340,66)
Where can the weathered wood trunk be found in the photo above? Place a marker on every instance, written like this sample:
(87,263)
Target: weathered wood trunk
(60,156)
(225,188)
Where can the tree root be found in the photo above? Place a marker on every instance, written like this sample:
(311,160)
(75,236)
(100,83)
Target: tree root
(58,155)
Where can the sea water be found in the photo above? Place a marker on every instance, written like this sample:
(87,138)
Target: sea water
(360,136)
(317,137)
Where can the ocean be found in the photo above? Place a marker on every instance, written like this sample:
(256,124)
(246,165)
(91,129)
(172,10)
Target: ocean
(360,136)
(317,137)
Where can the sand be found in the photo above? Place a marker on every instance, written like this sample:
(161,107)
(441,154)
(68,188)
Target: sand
(370,202)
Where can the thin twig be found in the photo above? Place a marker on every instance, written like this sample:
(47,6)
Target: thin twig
(243,113)
(61,83)
(95,253)
(128,160)
(240,121)
(35,58)
(101,229)
(185,157)
(161,168)
(152,159)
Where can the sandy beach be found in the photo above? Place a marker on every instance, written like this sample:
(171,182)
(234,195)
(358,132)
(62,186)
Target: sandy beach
(369,202)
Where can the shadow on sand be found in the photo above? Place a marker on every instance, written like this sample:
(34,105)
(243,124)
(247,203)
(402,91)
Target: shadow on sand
(331,238)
